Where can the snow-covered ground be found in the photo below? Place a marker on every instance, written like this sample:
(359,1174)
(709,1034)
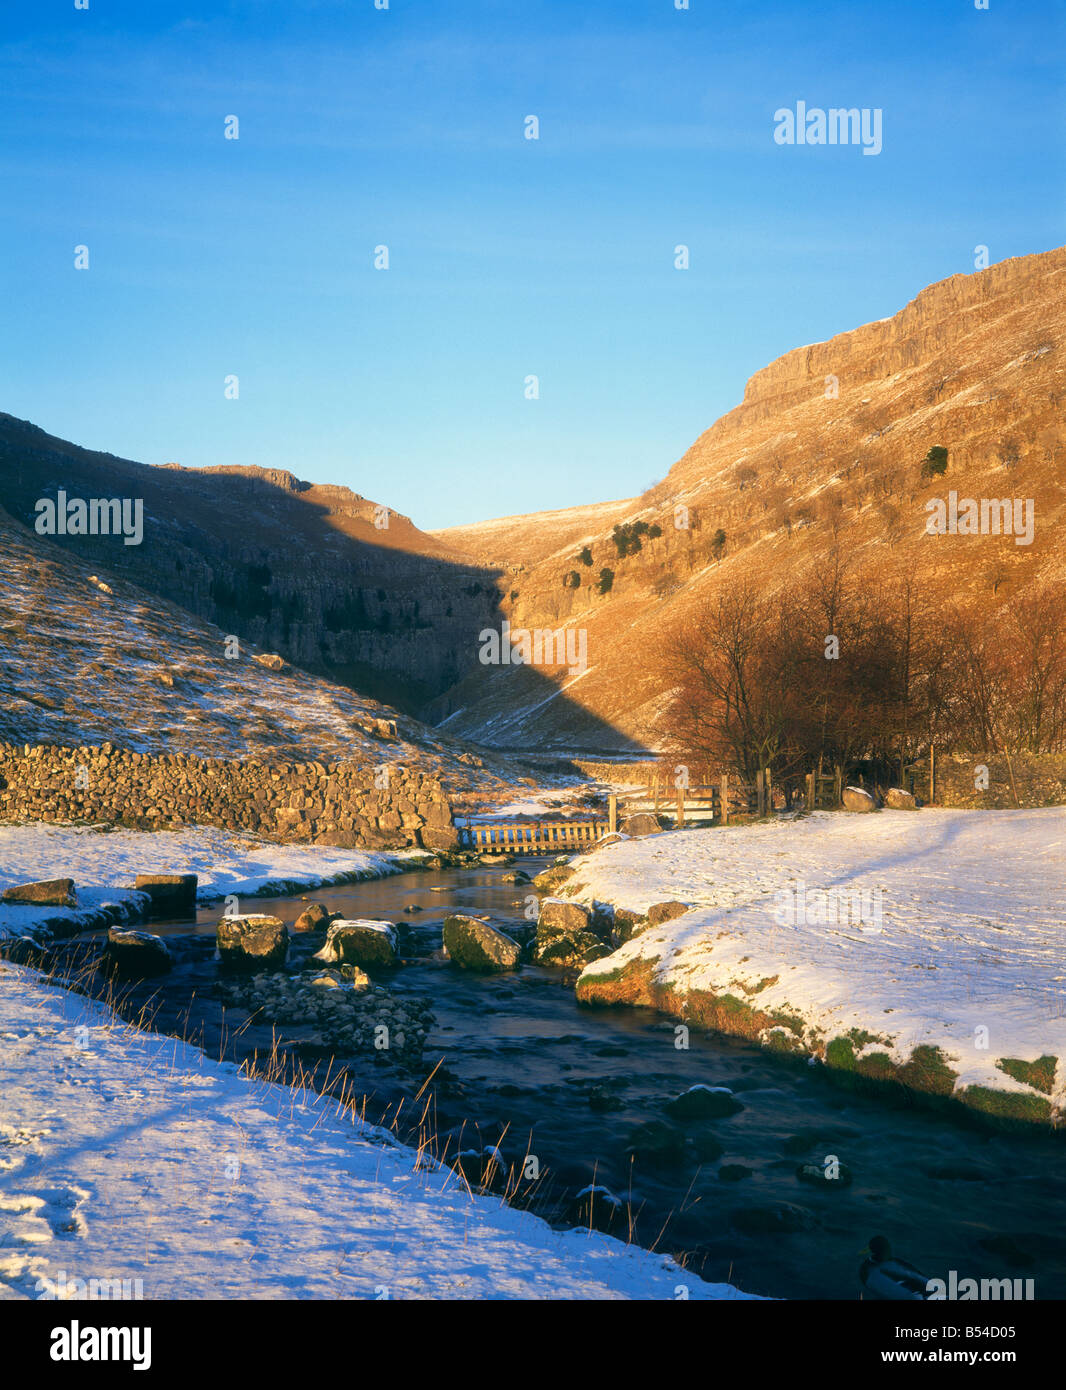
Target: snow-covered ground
(952,929)
(549,801)
(104,863)
(131,1156)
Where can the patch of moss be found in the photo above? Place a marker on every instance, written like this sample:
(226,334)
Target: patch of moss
(733,1008)
(1007,1105)
(1039,1074)
(782,1040)
(789,1021)
(764,983)
(877,1065)
(840,1053)
(861,1038)
(927,1070)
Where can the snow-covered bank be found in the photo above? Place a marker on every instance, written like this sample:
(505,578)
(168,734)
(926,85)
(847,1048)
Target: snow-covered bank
(103,864)
(947,962)
(131,1156)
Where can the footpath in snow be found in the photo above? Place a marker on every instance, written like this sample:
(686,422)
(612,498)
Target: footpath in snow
(131,1156)
(859,939)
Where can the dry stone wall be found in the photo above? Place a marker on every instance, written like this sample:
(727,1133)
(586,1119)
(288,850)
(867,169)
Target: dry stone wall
(1039,779)
(317,803)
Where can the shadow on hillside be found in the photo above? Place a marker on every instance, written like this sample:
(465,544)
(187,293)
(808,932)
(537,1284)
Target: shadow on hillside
(383,610)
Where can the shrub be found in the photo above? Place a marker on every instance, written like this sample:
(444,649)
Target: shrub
(606,582)
(935,462)
(572,580)
(586,555)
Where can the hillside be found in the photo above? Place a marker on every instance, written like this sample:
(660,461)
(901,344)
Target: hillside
(825,450)
(303,570)
(90,658)
(823,453)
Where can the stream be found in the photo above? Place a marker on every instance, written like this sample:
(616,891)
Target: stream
(523,1065)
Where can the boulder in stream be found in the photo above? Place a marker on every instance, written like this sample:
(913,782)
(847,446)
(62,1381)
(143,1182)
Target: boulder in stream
(252,942)
(359,941)
(136,955)
(169,895)
(565,935)
(705,1103)
(313,918)
(475,945)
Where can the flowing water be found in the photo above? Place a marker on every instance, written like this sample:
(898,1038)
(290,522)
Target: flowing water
(523,1064)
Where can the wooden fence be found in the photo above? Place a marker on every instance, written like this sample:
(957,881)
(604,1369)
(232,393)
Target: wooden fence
(703,803)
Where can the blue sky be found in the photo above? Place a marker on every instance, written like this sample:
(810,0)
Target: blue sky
(508,257)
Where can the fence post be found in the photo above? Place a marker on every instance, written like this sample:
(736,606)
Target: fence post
(838,786)
(612,813)
(932,774)
(725,798)
(760,798)
(680,808)
(810,791)
(768,783)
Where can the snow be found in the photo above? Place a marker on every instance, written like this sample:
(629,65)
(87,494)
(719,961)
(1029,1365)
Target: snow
(102,862)
(128,1155)
(967,932)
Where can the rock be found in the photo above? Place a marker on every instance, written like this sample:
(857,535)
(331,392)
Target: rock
(486,1168)
(566,934)
(571,952)
(326,979)
(252,942)
(441,837)
(613,837)
(642,823)
(313,918)
(596,1207)
(136,955)
(360,941)
(734,1172)
(51,892)
(855,799)
(778,1218)
(553,877)
(836,1175)
(666,912)
(349,976)
(355,976)
(475,945)
(558,917)
(707,1147)
(517,876)
(657,1144)
(24,950)
(603,1099)
(169,895)
(705,1103)
(626,925)
(899,800)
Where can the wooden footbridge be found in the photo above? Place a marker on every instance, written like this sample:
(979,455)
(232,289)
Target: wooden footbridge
(531,837)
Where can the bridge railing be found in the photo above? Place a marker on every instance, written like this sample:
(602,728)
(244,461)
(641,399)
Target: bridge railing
(531,837)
